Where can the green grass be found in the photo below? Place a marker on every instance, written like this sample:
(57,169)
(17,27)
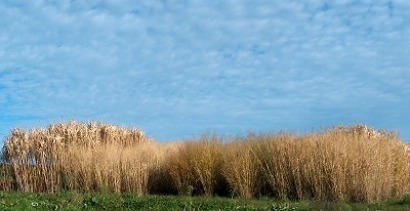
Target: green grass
(106,201)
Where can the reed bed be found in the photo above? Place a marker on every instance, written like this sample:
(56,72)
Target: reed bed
(346,163)
(76,156)
(339,164)
(241,167)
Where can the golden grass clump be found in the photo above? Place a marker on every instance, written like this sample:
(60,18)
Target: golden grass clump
(195,167)
(354,163)
(178,164)
(335,165)
(65,156)
(111,168)
(6,178)
(280,161)
(206,163)
(241,168)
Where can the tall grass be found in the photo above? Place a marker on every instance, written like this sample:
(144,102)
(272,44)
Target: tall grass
(335,165)
(353,163)
(241,168)
(196,166)
(78,156)
(110,168)
(179,167)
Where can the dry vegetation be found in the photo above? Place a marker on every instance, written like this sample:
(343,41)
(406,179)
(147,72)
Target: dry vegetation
(352,163)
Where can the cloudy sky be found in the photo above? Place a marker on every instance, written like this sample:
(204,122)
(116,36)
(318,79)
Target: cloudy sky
(179,68)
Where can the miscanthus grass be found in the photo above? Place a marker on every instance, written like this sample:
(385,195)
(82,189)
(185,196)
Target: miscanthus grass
(346,163)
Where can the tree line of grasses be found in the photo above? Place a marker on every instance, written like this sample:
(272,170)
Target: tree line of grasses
(351,163)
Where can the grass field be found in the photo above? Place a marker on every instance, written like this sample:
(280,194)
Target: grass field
(108,201)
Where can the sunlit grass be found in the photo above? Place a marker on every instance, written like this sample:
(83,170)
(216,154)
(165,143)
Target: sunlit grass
(356,164)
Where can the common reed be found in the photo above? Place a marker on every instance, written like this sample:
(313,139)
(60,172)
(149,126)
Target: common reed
(345,163)
(206,161)
(241,168)
(77,156)
(179,167)
(196,166)
(338,164)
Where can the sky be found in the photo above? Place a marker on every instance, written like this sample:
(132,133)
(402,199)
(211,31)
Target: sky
(177,69)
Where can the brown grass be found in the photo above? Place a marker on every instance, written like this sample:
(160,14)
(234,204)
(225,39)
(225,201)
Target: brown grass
(78,156)
(195,166)
(241,168)
(206,161)
(352,163)
(179,167)
(335,165)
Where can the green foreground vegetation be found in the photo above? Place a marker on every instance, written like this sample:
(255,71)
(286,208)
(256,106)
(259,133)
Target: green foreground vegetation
(108,201)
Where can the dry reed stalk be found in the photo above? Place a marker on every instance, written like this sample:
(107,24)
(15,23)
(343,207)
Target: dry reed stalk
(241,168)
(272,157)
(353,163)
(112,167)
(206,163)
(178,164)
(45,160)
(6,179)
(335,165)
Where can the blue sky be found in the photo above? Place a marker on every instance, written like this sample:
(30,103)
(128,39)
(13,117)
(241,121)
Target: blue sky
(178,68)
